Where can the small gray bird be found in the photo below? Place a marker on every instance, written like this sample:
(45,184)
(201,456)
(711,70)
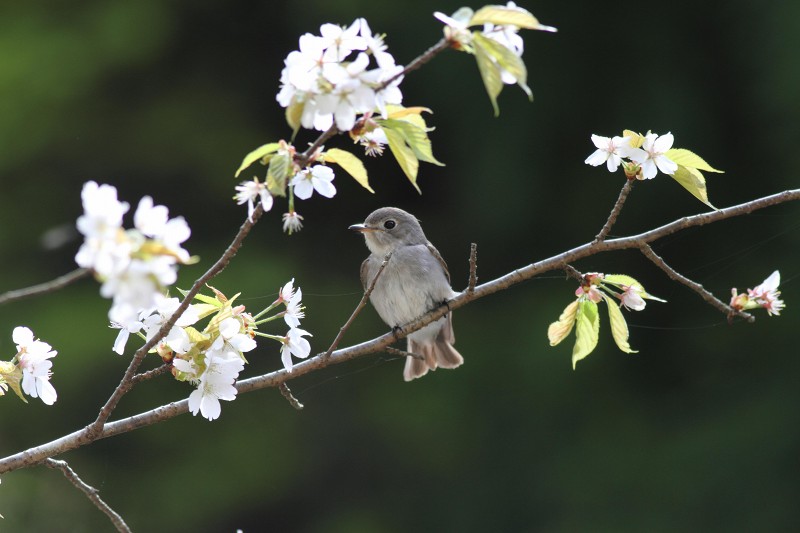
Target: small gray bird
(414,281)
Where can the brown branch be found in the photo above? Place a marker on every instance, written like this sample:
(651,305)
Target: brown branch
(286,393)
(37,454)
(612,217)
(90,492)
(45,288)
(573,273)
(403,353)
(150,374)
(696,287)
(358,308)
(473,267)
(429,54)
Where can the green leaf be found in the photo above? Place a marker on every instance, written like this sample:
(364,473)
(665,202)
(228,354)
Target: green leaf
(621,279)
(689,159)
(559,330)
(619,328)
(204,310)
(194,335)
(259,153)
(277,173)
(498,15)
(693,181)
(587,330)
(404,155)
(414,135)
(490,74)
(11,375)
(508,60)
(351,164)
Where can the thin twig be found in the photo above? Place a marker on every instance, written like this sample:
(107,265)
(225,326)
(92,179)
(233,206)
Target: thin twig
(303,159)
(150,374)
(44,288)
(696,287)
(473,267)
(286,393)
(612,217)
(403,353)
(572,272)
(359,307)
(90,492)
(76,439)
(429,54)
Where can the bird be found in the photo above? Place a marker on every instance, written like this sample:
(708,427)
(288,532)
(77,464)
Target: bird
(413,282)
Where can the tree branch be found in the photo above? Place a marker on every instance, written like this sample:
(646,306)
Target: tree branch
(286,393)
(359,307)
(429,54)
(612,217)
(44,288)
(90,492)
(473,267)
(81,437)
(696,287)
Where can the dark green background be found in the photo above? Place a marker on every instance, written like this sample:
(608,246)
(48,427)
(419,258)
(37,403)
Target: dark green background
(696,432)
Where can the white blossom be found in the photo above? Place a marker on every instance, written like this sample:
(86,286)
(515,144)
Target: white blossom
(333,86)
(651,156)
(216,383)
(251,192)
(294,345)
(610,151)
(292,222)
(318,178)
(34,361)
(292,298)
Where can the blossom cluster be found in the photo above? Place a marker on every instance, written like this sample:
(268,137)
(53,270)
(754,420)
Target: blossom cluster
(136,265)
(339,74)
(764,296)
(211,358)
(583,316)
(316,178)
(630,293)
(645,160)
(29,370)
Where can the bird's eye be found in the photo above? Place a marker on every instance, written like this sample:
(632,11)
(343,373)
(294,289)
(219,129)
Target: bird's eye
(389,224)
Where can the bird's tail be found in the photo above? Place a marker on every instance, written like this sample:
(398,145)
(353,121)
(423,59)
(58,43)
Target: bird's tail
(436,353)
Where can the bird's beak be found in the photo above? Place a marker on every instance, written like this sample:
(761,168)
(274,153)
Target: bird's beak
(361,228)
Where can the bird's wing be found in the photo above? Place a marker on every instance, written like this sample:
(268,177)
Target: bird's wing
(365,279)
(439,258)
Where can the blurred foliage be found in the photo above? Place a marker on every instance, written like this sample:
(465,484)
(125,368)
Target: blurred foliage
(696,432)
